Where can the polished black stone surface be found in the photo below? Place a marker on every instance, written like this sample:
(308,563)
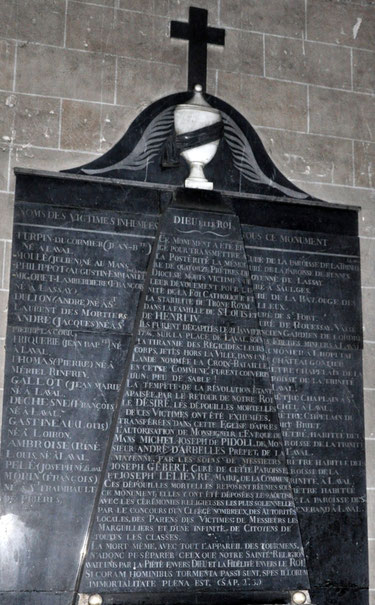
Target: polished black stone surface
(198,432)
(36,598)
(77,268)
(307,288)
(183,410)
(76,277)
(138,156)
(60,391)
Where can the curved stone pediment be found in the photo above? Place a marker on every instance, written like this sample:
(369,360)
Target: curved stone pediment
(241,163)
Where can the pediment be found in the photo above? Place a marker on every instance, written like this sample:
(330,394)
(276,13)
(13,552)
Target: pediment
(241,163)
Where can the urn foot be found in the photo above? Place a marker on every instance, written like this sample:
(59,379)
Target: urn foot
(198,184)
(196,178)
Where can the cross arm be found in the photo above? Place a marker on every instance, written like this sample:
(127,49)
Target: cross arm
(180,30)
(216,36)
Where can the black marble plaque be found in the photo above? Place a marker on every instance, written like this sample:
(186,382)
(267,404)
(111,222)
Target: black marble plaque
(183,412)
(76,277)
(197,467)
(307,291)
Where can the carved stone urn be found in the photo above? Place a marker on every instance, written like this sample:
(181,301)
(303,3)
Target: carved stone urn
(194,124)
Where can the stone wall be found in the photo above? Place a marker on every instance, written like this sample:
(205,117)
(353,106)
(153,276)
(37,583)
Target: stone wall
(74,74)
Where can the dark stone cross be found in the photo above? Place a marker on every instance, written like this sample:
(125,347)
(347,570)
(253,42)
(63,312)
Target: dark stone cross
(199,35)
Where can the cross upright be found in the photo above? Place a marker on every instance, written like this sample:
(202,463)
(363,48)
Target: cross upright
(198,35)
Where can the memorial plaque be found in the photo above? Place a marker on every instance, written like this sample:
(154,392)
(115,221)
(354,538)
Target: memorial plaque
(197,464)
(75,280)
(183,414)
(310,283)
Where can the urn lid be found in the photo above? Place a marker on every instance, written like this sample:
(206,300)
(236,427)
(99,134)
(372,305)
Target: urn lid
(198,101)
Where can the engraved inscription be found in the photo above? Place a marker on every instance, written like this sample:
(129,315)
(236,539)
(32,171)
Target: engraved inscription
(197,493)
(306,288)
(76,277)
(61,392)
(83,270)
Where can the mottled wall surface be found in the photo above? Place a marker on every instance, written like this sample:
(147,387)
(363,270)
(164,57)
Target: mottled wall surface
(74,74)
